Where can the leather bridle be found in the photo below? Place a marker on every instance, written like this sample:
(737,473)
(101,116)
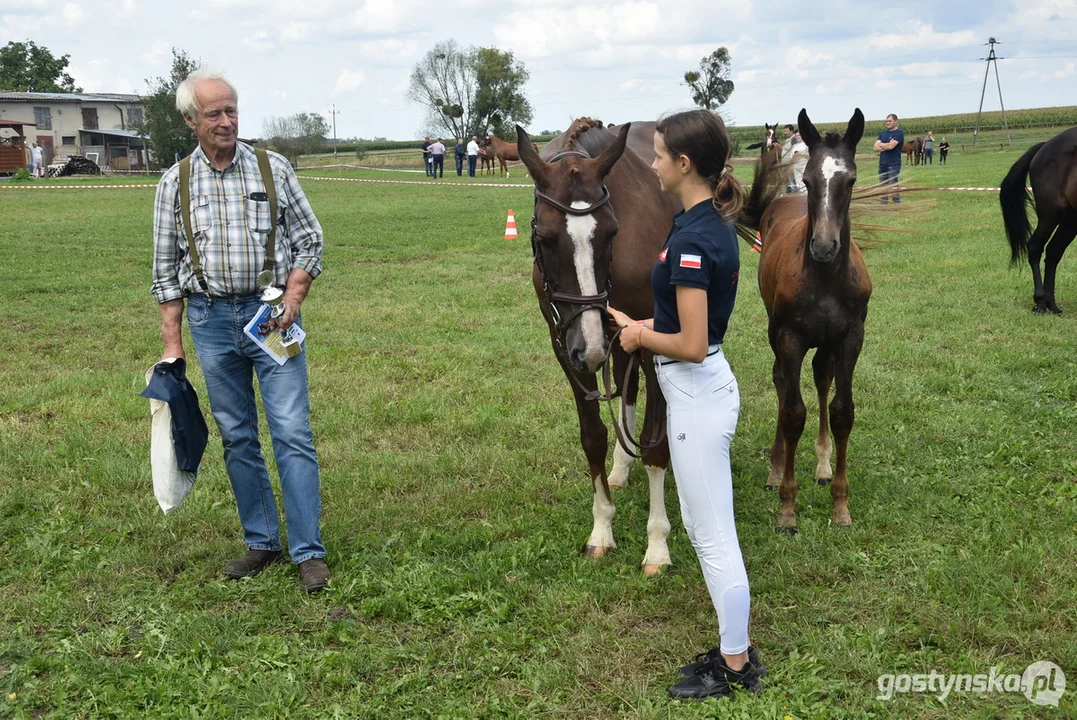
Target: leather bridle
(581,304)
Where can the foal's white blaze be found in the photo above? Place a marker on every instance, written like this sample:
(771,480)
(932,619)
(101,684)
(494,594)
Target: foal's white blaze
(622,461)
(581,228)
(831,167)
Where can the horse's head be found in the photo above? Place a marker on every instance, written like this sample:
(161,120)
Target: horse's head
(829,177)
(572,238)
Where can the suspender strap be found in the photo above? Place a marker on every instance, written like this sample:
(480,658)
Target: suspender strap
(266,172)
(185,206)
(271,191)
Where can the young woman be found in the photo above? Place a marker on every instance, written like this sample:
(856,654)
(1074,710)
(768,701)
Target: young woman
(695,287)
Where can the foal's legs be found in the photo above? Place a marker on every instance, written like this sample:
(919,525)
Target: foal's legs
(1055,249)
(842,413)
(791,421)
(822,366)
(593,438)
(655,462)
(629,386)
(777,450)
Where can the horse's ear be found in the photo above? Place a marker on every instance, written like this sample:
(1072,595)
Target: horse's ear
(612,154)
(808,133)
(530,157)
(855,130)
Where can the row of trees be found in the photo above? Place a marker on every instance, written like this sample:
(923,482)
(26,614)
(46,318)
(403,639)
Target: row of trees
(466,91)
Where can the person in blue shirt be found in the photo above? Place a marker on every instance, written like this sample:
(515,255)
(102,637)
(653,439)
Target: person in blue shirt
(889,147)
(695,287)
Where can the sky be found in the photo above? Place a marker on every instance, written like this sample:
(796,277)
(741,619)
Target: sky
(609,59)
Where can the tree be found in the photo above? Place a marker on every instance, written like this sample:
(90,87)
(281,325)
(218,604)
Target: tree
(711,86)
(299,134)
(470,91)
(26,67)
(500,103)
(162,125)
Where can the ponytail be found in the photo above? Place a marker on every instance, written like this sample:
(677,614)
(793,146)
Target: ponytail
(729,196)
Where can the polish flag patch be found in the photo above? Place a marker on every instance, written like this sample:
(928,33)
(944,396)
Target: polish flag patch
(662,255)
(691,261)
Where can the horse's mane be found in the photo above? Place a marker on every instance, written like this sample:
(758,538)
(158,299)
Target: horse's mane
(589,135)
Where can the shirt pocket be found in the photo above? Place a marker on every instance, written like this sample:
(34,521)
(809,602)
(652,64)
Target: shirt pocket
(259,218)
(201,215)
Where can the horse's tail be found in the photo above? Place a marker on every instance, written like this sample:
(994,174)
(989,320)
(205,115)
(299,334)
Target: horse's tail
(767,186)
(1015,201)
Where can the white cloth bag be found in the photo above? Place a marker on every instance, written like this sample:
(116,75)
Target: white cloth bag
(170,484)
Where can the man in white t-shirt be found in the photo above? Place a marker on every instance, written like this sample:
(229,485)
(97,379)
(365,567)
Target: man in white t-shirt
(37,161)
(472,155)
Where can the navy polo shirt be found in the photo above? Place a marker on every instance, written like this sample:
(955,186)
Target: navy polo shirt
(892,156)
(702,252)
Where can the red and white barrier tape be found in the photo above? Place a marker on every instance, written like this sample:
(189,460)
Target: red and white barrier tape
(73,187)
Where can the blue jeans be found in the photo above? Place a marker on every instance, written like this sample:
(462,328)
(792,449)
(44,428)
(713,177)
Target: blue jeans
(229,360)
(459,165)
(888,174)
(471,160)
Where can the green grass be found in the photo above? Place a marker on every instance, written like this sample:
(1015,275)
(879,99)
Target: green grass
(456,498)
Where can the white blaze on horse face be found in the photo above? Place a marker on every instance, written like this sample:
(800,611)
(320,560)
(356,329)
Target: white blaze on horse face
(831,167)
(581,228)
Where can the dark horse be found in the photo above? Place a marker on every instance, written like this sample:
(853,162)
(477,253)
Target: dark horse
(914,150)
(1051,168)
(816,288)
(588,189)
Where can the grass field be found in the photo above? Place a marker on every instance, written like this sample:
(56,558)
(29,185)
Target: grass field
(456,497)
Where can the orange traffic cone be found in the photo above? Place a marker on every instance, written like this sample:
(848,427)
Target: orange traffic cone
(510,227)
(758,245)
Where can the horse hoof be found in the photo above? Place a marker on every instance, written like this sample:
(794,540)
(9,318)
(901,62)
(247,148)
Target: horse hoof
(790,530)
(771,486)
(652,570)
(1055,309)
(617,485)
(1039,308)
(823,481)
(596,553)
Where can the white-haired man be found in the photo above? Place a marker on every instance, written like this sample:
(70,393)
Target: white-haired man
(231,225)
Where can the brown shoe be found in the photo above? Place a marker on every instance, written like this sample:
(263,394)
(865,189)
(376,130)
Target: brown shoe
(254,562)
(314,575)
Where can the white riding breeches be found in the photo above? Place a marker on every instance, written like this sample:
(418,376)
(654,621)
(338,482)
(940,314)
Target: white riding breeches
(703,402)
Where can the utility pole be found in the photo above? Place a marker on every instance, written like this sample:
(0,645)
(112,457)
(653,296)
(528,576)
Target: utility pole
(991,58)
(336,112)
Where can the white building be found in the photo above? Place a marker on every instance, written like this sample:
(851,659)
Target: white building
(100,126)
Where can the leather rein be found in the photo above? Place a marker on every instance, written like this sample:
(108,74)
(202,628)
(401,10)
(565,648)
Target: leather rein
(581,304)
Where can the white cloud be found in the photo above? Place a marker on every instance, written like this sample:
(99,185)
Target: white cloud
(159,50)
(259,41)
(918,35)
(74,14)
(349,81)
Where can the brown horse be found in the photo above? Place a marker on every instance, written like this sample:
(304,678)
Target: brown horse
(914,150)
(589,188)
(816,288)
(487,155)
(506,151)
(1051,169)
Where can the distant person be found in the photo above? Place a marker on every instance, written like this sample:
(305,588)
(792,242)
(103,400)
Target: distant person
(929,149)
(427,159)
(37,161)
(889,146)
(437,158)
(795,154)
(461,153)
(944,150)
(472,155)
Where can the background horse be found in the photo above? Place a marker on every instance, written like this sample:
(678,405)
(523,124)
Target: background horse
(816,288)
(505,151)
(1051,168)
(487,155)
(914,150)
(575,259)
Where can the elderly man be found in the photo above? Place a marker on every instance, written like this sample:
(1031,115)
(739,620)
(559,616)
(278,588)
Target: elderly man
(221,274)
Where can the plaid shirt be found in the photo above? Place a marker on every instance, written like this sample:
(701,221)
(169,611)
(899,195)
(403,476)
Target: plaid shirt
(230,229)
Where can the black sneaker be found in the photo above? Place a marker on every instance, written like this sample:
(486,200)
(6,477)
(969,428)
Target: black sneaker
(254,562)
(694,667)
(717,680)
